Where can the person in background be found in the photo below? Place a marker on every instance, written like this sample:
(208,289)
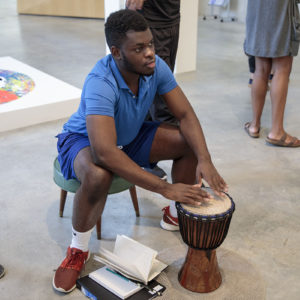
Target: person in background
(2,271)
(251,64)
(108,135)
(274,45)
(163,17)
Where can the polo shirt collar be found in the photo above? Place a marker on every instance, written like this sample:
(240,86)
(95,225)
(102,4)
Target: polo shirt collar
(118,76)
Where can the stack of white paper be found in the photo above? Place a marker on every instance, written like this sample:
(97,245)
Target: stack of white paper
(114,282)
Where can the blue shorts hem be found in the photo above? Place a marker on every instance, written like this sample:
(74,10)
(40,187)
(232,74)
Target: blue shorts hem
(69,144)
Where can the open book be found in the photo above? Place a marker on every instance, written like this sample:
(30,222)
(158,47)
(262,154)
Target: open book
(132,259)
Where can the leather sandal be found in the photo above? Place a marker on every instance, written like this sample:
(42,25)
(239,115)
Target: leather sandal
(254,135)
(282,141)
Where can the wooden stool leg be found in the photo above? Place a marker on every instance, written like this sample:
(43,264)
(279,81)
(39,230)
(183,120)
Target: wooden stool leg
(134,199)
(98,228)
(63,197)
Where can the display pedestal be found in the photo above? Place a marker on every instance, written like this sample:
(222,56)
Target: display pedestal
(41,99)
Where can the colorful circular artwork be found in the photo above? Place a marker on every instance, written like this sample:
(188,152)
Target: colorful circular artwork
(14,85)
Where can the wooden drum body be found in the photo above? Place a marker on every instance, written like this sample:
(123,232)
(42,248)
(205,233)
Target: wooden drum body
(203,229)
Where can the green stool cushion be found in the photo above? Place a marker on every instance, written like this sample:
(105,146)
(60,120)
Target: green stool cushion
(118,184)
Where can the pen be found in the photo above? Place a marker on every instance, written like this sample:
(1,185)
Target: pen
(118,274)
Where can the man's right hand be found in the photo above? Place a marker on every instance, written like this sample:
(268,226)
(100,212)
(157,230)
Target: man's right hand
(134,4)
(185,193)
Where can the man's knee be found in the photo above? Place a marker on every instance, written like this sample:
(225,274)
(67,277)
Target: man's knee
(96,181)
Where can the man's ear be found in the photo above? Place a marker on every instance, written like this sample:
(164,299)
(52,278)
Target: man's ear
(115,52)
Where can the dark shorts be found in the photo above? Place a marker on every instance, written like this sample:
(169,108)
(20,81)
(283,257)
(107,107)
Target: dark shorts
(69,145)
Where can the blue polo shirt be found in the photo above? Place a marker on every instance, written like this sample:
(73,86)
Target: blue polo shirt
(106,93)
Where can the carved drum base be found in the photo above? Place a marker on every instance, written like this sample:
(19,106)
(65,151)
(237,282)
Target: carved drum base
(200,272)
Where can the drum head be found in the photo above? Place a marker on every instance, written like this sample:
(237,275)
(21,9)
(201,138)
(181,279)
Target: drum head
(214,206)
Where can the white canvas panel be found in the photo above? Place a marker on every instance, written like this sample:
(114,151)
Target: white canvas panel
(42,98)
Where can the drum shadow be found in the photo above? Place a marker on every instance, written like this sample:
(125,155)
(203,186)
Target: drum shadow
(241,280)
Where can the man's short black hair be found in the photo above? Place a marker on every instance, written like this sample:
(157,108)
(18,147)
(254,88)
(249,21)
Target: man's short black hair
(119,22)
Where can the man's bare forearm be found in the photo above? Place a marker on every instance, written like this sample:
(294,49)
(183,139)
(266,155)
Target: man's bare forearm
(192,132)
(116,161)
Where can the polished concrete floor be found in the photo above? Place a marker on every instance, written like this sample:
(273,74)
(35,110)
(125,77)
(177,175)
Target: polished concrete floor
(260,258)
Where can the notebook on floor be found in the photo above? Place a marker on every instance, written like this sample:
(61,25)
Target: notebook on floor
(95,291)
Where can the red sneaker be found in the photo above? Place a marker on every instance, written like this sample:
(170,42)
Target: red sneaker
(168,222)
(68,272)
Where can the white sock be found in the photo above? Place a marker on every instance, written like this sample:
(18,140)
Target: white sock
(173,209)
(80,240)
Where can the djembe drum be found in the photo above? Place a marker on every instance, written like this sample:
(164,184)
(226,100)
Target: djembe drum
(203,228)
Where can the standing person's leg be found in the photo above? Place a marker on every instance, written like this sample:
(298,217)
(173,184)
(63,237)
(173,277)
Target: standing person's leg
(2,271)
(258,93)
(88,206)
(166,44)
(251,64)
(282,67)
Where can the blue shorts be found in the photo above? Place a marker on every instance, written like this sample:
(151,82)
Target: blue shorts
(69,144)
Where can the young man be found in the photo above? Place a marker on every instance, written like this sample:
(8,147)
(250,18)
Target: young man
(108,135)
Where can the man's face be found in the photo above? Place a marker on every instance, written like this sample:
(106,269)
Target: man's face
(137,53)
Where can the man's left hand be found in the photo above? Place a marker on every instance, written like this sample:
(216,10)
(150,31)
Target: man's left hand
(208,172)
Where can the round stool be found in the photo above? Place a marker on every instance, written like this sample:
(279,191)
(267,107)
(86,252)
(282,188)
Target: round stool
(118,185)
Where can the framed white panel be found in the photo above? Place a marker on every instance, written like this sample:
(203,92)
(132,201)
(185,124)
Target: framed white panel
(29,96)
